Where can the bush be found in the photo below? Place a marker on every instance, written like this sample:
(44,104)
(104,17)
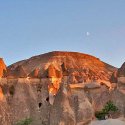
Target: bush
(26,121)
(108,109)
(100,115)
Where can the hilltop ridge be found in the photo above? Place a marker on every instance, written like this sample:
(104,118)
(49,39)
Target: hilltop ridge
(77,64)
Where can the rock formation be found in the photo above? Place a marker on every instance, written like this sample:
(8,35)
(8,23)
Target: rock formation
(59,88)
(2,68)
(70,107)
(121,71)
(80,66)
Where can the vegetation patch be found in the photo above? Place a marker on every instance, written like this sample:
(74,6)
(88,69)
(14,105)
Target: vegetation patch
(26,121)
(108,109)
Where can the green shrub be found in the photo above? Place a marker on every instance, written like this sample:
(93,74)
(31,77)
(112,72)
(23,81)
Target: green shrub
(108,109)
(26,121)
(100,115)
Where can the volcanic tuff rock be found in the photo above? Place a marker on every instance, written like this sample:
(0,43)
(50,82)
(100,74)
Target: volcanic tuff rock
(59,88)
(70,107)
(121,71)
(2,67)
(80,67)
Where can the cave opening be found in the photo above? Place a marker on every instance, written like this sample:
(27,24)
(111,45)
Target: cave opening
(40,104)
(47,99)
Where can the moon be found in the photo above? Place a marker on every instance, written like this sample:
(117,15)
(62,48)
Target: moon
(87,33)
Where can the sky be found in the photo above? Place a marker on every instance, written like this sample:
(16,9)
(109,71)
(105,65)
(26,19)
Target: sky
(33,27)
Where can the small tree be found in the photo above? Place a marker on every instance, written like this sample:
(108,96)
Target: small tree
(100,115)
(108,108)
(26,121)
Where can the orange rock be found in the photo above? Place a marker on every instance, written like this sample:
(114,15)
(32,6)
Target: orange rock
(1,94)
(52,89)
(34,73)
(53,72)
(2,67)
(84,67)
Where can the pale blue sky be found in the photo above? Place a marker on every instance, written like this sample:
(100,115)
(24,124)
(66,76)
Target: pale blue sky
(32,27)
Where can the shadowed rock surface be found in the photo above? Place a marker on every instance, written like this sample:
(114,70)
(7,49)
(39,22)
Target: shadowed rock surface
(121,71)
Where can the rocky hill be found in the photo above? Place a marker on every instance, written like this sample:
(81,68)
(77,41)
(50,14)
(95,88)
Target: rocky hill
(79,67)
(82,66)
(59,88)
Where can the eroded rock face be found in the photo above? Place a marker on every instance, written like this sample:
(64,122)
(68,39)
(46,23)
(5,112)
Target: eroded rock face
(118,77)
(121,71)
(62,111)
(30,98)
(24,98)
(80,67)
(114,77)
(53,72)
(118,95)
(71,107)
(59,88)
(4,110)
(2,68)
(34,73)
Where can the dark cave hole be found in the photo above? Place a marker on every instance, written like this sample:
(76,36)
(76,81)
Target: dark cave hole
(40,104)
(38,90)
(12,90)
(47,99)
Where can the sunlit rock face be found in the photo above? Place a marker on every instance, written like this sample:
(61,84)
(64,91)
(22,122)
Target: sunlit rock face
(55,79)
(80,67)
(34,73)
(1,94)
(2,68)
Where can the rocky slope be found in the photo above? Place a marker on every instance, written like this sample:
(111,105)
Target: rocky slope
(59,88)
(82,66)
